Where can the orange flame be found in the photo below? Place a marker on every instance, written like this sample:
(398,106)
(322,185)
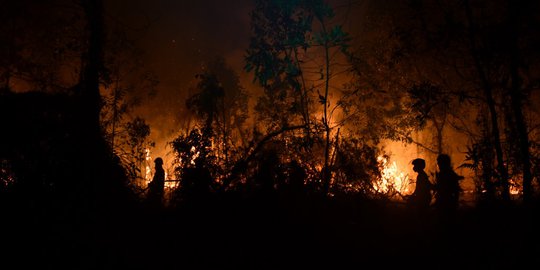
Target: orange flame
(392,179)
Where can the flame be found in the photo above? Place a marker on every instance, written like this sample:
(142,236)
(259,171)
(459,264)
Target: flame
(514,187)
(195,156)
(169,183)
(148,170)
(392,179)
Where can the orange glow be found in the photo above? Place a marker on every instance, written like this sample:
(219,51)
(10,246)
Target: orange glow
(170,184)
(392,180)
(514,187)
(195,156)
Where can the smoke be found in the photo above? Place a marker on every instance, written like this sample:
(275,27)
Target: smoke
(178,37)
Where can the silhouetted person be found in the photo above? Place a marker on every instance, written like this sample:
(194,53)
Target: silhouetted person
(297,176)
(157,186)
(295,199)
(421,197)
(268,175)
(447,187)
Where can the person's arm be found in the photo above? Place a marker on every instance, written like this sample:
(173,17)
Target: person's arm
(431,187)
(415,192)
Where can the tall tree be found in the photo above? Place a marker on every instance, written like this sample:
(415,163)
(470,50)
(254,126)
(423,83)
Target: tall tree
(521,38)
(463,46)
(293,53)
(430,104)
(480,65)
(220,103)
(93,63)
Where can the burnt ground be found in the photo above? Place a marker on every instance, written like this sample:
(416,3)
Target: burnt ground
(250,233)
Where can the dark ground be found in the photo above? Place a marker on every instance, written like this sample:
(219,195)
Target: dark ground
(232,233)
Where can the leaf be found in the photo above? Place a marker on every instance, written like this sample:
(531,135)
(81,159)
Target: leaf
(322,100)
(468,166)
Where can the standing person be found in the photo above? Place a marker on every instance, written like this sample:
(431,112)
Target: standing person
(157,186)
(421,197)
(447,187)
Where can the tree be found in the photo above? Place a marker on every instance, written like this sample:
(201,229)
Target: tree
(473,53)
(521,39)
(488,94)
(294,56)
(42,45)
(133,148)
(129,82)
(196,165)
(494,42)
(233,108)
(220,105)
(430,103)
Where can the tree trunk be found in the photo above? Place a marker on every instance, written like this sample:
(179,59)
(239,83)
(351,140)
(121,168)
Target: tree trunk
(93,62)
(115,112)
(439,127)
(487,161)
(517,104)
(304,102)
(326,122)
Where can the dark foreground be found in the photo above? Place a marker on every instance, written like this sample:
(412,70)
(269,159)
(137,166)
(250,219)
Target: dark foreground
(250,233)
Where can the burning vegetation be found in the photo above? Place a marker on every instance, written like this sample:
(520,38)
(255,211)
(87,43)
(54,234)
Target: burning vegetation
(328,104)
(337,110)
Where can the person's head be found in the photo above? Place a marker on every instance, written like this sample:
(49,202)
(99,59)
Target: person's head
(443,161)
(158,161)
(419,164)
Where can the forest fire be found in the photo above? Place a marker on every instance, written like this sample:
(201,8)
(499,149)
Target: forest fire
(269,133)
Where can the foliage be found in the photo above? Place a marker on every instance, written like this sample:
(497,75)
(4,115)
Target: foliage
(285,40)
(220,105)
(293,54)
(133,146)
(280,28)
(195,164)
(479,158)
(42,45)
(427,101)
(205,103)
(193,150)
(355,166)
